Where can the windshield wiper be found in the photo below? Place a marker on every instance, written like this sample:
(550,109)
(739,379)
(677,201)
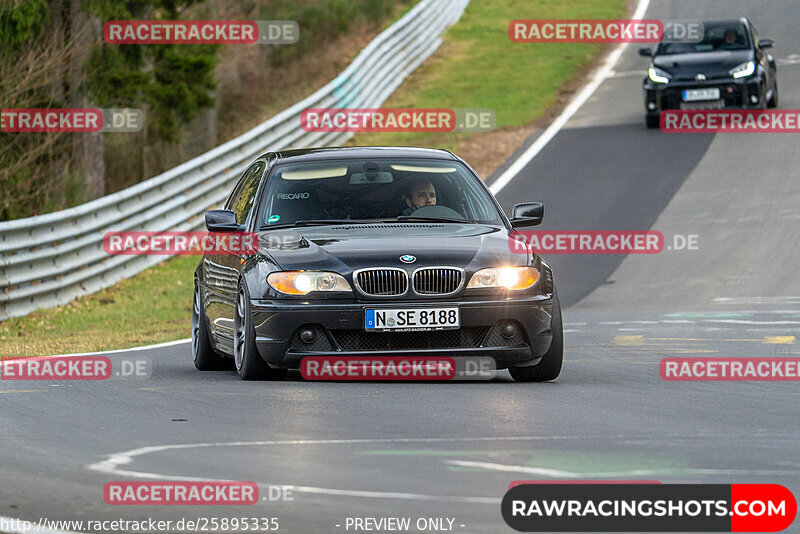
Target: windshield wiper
(315,222)
(431,219)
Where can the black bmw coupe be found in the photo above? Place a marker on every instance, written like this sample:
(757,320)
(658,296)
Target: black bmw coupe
(373,252)
(727,69)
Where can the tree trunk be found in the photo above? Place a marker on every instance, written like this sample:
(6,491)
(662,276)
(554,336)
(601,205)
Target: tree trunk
(57,31)
(87,148)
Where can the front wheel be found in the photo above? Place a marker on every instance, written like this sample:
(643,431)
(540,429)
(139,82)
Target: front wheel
(249,364)
(652,121)
(550,366)
(773,102)
(205,357)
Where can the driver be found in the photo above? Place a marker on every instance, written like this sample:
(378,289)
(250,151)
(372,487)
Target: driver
(421,193)
(731,37)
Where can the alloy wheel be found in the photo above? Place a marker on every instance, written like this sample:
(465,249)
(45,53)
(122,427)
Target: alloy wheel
(239,334)
(195,322)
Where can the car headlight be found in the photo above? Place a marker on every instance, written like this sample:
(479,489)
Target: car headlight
(304,282)
(508,277)
(743,70)
(658,75)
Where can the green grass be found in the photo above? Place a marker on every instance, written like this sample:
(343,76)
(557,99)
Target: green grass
(478,66)
(152,307)
(321,21)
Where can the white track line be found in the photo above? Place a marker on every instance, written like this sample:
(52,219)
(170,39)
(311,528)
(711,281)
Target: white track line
(757,300)
(673,472)
(82,354)
(122,458)
(111,465)
(580,99)
(133,349)
(741,321)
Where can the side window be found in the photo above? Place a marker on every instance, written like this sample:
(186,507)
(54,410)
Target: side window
(242,200)
(237,189)
(755,36)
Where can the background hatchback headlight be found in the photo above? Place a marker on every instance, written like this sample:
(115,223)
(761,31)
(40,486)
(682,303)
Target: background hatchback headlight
(304,282)
(743,70)
(658,75)
(508,277)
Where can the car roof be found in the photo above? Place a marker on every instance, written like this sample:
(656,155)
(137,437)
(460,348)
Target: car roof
(325,153)
(721,22)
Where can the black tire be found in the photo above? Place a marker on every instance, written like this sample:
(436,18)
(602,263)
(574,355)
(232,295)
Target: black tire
(652,121)
(773,102)
(762,102)
(550,366)
(248,362)
(205,357)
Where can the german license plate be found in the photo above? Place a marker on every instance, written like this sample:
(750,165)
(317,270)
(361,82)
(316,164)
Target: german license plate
(711,104)
(411,319)
(694,95)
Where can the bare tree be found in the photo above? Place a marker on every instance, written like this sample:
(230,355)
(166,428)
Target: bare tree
(87,148)
(35,166)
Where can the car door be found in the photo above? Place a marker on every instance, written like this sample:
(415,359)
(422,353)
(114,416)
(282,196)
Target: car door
(222,270)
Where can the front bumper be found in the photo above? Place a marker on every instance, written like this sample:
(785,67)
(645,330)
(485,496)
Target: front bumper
(734,94)
(339,330)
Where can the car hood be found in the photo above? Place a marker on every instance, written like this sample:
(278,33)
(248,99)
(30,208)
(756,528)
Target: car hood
(711,64)
(344,249)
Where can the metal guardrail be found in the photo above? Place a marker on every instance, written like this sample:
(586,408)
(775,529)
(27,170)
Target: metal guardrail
(51,259)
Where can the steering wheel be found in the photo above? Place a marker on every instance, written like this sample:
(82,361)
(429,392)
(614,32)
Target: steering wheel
(438,211)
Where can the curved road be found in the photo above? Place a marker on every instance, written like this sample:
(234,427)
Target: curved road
(450,449)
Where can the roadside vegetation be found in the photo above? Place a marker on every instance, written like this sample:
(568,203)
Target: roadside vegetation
(152,307)
(476,67)
(194,97)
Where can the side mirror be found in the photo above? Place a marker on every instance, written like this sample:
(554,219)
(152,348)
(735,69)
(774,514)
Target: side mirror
(527,214)
(766,43)
(222,221)
(646,52)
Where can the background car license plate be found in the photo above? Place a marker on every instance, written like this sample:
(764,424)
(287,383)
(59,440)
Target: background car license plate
(411,319)
(693,95)
(709,104)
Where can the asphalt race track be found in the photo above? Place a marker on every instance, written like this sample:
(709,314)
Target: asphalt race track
(450,450)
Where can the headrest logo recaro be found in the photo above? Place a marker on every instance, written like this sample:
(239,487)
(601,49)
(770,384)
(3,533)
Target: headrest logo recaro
(292,196)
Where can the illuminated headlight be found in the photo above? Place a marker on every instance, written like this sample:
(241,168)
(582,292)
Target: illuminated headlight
(658,75)
(304,282)
(743,70)
(507,277)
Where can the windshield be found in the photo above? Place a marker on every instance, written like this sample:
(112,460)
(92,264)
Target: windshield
(716,37)
(364,190)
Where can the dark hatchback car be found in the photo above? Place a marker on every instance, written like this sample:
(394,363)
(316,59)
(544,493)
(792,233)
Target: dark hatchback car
(728,68)
(373,252)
